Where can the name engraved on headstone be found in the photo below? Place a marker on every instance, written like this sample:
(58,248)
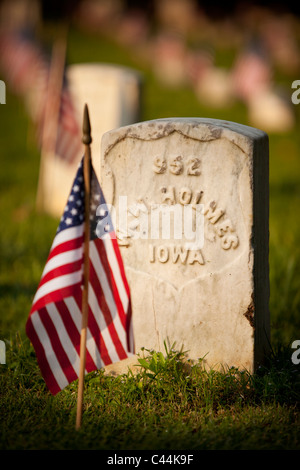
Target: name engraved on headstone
(193,234)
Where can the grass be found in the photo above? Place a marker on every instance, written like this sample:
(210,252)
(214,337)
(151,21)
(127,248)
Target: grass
(170,403)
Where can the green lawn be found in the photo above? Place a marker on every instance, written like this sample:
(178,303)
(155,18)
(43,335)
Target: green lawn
(174,407)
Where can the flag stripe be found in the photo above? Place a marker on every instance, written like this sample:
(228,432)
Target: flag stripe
(73,309)
(95,334)
(110,319)
(114,261)
(108,350)
(65,246)
(100,274)
(62,259)
(64,340)
(112,268)
(72,233)
(55,284)
(120,264)
(108,305)
(72,327)
(51,362)
(42,344)
(64,363)
(55,296)
(62,270)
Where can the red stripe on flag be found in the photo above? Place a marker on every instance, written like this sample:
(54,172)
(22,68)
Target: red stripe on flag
(58,348)
(68,245)
(107,314)
(110,277)
(95,331)
(127,321)
(41,358)
(61,271)
(74,333)
(120,262)
(55,296)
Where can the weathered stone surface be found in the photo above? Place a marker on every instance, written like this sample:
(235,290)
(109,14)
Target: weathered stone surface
(113,96)
(212,300)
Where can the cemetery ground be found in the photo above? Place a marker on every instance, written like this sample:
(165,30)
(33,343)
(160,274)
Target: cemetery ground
(169,404)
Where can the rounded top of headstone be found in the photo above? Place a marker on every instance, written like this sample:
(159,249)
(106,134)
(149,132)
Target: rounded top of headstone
(204,129)
(96,70)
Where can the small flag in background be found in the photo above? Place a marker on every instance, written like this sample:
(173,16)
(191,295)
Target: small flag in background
(68,142)
(28,70)
(54,322)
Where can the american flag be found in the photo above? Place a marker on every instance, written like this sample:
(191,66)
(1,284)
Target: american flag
(54,322)
(28,70)
(59,131)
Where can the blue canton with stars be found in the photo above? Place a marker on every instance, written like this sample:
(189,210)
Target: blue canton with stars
(100,220)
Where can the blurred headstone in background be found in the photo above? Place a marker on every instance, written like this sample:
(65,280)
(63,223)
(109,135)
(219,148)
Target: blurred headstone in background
(112,92)
(113,95)
(214,88)
(251,72)
(25,68)
(23,63)
(253,83)
(98,15)
(225,53)
(169,59)
(279,38)
(178,16)
(272,111)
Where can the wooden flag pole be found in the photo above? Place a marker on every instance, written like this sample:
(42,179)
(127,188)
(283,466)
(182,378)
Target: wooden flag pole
(86,139)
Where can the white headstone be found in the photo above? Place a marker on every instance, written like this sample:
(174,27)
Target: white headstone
(211,298)
(113,96)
